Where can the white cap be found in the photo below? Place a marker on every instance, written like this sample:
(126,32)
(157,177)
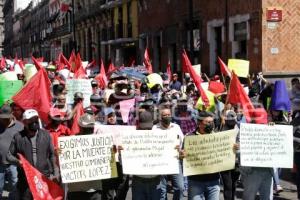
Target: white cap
(28,114)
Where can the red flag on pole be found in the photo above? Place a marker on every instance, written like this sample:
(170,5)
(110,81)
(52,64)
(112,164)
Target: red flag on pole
(64,7)
(237,96)
(36,94)
(224,69)
(169,72)
(40,186)
(216,87)
(72,61)
(147,62)
(101,78)
(111,67)
(196,78)
(80,72)
(79,111)
(2,63)
(62,62)
(91,64)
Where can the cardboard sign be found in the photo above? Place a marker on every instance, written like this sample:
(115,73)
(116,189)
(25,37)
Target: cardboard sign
(79,85)
(240,67)
(266,146)
(8,89)
(86,158)
(209,153)
(148,152)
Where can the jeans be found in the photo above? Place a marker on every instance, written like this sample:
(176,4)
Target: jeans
(297,163)
(177,184)
(146,188)
(257,180)
(277,172)
(229,179)
(9,173)
(203,190)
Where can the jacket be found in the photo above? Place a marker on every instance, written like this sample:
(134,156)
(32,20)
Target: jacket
(21,144)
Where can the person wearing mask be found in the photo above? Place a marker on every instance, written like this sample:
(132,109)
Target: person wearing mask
(294,94)
(230,177)
(165,123)
(206,186)
(175,84)
(61,104)
(296,132)
(95,87)
(97,107)
(87,190)
(9,127)
(78,98)
(184,118)
(114,188)
(36,146)
(17,111)
(145,186)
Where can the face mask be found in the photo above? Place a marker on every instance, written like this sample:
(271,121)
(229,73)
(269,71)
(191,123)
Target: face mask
(55,122)
(230,123)
(208,128)
(34,126)
(166,120)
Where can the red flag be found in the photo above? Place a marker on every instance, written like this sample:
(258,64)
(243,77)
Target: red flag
(2,63)
(101,78)
(64,7)
(40,186)
(72,61)
(40,59)
(111,67)
(216,87)
(237,96)
(169,70)
(91,64)
(36,94)
(62,62)
(147,62)
(196,78)
(37,63)
(80,71)
(224,69)
(79,111)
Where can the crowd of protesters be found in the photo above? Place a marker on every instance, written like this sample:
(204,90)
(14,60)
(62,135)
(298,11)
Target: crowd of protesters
(172,105)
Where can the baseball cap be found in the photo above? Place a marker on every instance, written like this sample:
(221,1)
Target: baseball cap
(86,121)
(108,111)
(55,112)
(78,95)
(28,114)
(5,112)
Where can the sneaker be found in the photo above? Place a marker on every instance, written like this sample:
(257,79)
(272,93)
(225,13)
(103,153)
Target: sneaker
(278,189)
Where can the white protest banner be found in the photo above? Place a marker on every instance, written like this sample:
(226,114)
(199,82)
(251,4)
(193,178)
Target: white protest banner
(148,152)
(210,153)
(79,85)
(86,158)
(116,131)
(266,146)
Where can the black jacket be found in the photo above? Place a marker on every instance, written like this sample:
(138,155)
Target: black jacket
(45,152)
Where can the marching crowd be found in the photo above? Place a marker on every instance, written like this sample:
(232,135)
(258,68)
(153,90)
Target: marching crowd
(171,105)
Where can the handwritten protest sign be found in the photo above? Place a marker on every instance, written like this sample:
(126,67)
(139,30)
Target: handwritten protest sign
(86,158)
(79,85)
(116,131)
(240,67)
(150,153)
(266,146)
(9,89)
(209,153)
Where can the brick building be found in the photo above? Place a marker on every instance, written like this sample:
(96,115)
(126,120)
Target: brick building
(225,28)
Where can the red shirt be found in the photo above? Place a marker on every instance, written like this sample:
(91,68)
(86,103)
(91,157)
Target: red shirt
(61,130)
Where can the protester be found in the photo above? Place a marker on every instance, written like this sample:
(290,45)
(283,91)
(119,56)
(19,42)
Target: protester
(205,186)
(9,127)
(294,94)
(17,111)
(87,190)
(177,179)
(115,188)
(175,84)
(145,186)
(296,132)
(36,146)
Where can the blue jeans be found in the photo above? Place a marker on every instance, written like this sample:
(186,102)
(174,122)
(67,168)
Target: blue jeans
(257,180)
(146,188)
(276,179)
(200,190)
(9,173)
(177,183)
